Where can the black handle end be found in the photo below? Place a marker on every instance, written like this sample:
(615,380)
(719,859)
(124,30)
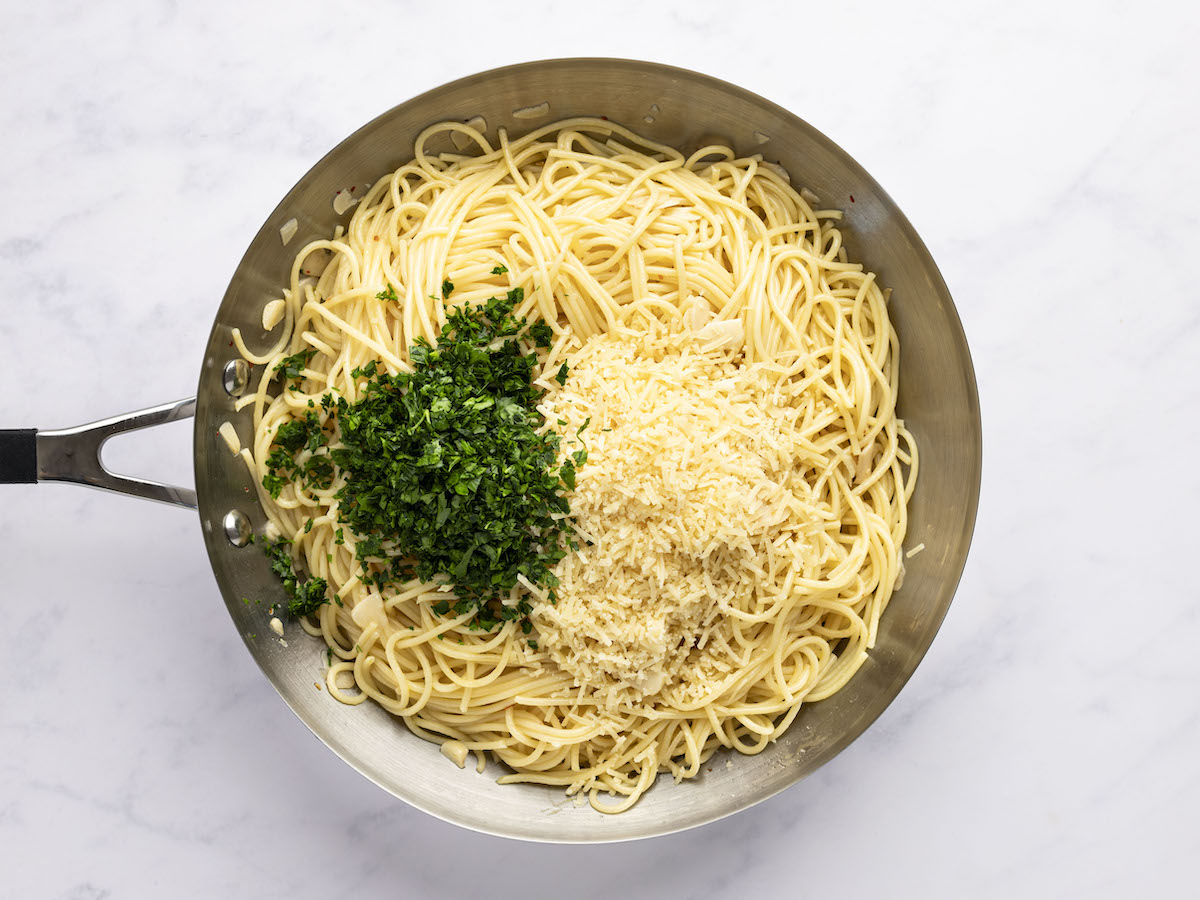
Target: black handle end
(18,456)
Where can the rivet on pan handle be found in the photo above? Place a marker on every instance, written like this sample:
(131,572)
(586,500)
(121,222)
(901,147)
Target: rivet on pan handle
(73,455)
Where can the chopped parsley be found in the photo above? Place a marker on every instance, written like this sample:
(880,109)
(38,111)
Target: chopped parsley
(567,473)
(542,334)
(447,288)
(303,597)
(388,293)
(292,367)
(446,473)
(580,456)
(500,270)
(284,461)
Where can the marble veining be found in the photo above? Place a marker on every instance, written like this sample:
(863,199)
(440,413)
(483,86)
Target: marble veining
(1049,744)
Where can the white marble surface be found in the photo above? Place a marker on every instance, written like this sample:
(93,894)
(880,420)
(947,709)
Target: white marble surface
(1049,745)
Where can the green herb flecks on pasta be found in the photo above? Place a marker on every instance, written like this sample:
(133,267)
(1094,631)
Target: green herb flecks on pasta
(448,473)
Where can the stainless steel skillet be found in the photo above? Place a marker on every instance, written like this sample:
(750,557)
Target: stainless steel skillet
(938,400)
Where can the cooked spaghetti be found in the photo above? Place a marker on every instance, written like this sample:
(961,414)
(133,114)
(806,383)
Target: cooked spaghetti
(740,510)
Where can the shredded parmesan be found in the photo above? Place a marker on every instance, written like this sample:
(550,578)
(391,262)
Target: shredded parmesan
(693,503)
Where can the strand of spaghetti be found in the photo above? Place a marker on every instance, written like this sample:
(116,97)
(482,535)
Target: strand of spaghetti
(393,362)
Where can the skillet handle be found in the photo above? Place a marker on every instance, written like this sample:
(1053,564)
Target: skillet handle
(73,454)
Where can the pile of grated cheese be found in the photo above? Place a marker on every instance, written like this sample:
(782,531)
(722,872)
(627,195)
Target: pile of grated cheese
(691,508)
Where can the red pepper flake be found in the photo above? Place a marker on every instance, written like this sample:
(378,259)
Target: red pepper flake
(851,198)
(352,189)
